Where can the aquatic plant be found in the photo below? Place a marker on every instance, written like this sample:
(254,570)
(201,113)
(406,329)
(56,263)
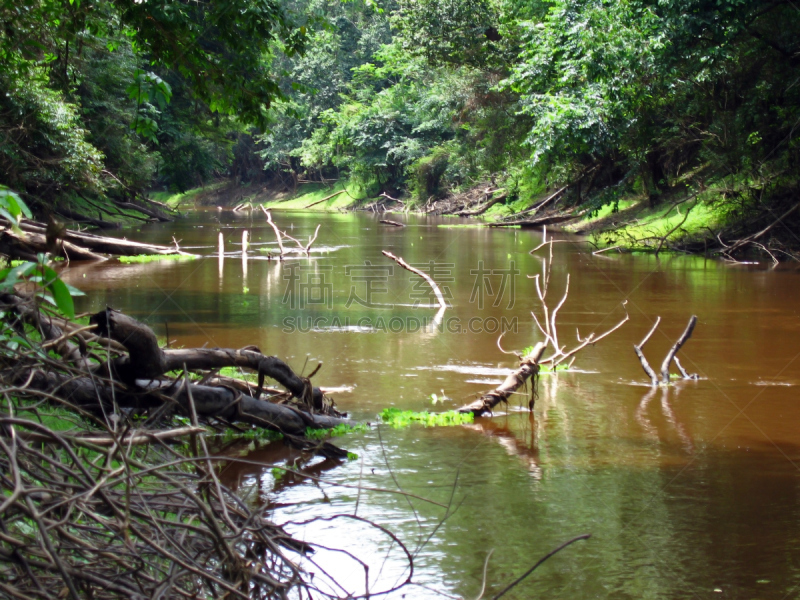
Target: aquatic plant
(403,418)
(341,429)
(148,258)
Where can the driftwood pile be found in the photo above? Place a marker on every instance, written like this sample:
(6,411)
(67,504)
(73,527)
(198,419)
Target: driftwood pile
(116,509)
(82,519)
(116,365)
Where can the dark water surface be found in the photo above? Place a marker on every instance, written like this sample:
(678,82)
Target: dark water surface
(693,491)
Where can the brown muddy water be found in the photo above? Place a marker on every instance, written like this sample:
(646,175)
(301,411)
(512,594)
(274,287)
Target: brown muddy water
(691,491)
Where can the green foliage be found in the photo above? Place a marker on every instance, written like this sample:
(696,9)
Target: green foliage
(456,32)
(12,207)
(51,153)
(48,284)
(403,418)
(428,172)
(424,96)
(87,89)
(148,88)
(252,433)
(341,429)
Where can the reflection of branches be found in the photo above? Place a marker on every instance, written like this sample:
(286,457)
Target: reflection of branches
(666,410)
(519,580)
(383,530)
(511,442)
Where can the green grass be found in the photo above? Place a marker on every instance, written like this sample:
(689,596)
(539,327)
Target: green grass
(609,209)
(237,373)
(57,418)
(313,192)
(403,418)
(176,199)
(148,258)
(652,224)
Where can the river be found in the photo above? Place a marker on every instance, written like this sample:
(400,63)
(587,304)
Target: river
(691,491)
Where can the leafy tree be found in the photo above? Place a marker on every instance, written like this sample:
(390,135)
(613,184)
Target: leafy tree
(91,81)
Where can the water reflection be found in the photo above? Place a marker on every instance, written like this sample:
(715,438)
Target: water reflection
(685,490)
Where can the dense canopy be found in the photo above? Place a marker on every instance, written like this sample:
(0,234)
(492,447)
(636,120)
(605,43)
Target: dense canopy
(112,98)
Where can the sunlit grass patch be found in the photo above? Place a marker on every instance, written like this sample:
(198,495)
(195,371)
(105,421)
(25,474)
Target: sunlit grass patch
(403,418)
(312,193)
(176,199)
(237,373)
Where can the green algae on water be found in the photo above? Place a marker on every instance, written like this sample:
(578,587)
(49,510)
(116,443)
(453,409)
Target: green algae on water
(403,418)
(148,258)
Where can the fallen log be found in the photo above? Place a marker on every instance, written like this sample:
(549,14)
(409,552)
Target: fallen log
(147,360)
(101,395)
(528,367)
(529,223)
(98,243)
(28,245)
(390,222)
(326,198)
(482,208)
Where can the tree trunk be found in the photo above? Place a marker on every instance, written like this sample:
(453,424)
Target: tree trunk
(147,360)
(529,367)
(99,243)
(95,395)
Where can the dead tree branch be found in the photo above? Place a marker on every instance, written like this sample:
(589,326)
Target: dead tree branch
(530,365)
(687,333)
(638,349)
(280,235)
(439,296)
(671,355)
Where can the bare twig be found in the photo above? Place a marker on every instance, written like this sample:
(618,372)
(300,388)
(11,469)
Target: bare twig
(638,349)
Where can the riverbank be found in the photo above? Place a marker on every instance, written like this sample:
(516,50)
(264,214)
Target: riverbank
(718,218)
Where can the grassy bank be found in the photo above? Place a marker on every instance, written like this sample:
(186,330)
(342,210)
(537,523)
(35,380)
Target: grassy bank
(686,217)
(347,196)
(634,224)
(187,199)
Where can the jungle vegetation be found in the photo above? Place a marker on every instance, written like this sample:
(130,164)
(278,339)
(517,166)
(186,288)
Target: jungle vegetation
(665,99)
